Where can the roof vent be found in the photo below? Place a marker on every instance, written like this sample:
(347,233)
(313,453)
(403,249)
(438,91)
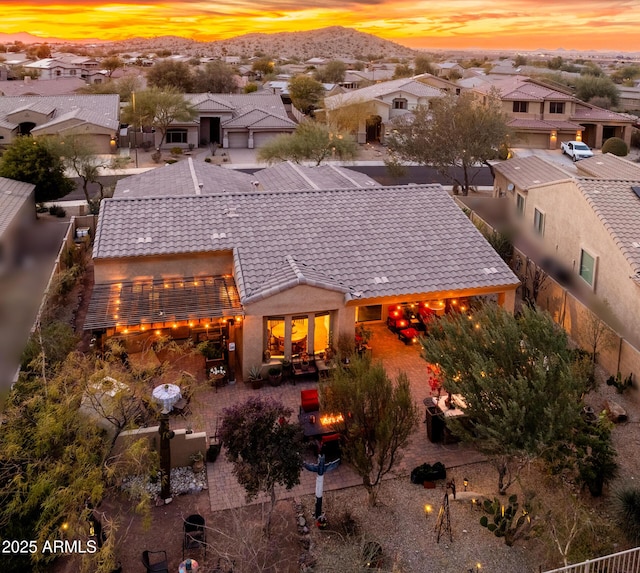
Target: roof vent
(231,212)
(636,245)
(379,280)
(143,240)
(490,270)
(219,236)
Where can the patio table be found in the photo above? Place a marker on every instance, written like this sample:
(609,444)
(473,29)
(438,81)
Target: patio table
(166,395)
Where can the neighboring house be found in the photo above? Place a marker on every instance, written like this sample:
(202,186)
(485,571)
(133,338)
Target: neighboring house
(95,118)
(592,227)
(541,116)
(514,177)
(629,98)
(281,88)
(68,66)
(608,166)
(448,70)
(17,214)
(387,100)
(439,83)
(27,86)
(300,262)
(355,79)
(231,120)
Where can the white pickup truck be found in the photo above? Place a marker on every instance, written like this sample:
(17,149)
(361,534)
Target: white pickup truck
(576,150)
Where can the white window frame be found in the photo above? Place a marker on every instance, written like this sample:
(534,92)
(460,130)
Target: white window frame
(594,269)
(538,222)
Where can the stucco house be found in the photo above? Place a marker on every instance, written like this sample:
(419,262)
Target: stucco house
(17,214)
(95,118)
(542,116)
(285,271)
(385,101)
(231,120)
(68,66)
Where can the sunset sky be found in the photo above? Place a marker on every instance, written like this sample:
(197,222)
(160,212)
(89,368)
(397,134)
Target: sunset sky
(519,24)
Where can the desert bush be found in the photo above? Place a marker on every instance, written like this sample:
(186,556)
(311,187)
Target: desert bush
(627,504)
(616,146)
(57,211)
(176,151)
(156,156)
(146,145)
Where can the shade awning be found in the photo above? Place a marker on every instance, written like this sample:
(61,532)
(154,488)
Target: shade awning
(153,301)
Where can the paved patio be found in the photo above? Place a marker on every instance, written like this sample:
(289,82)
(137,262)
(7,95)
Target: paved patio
(207,406)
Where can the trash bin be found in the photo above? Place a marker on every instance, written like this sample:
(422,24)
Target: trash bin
(435,423)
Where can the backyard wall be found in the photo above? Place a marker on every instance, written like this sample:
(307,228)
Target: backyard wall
(183,445)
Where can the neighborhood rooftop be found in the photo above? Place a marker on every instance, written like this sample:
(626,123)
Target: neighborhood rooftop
(609,166)
(13,195)
(376,242)
(526,172)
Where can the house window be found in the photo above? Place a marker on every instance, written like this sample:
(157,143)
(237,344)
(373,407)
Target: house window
(587,266)
(301,329)
(177,136)
(72,72)
(520,106)
(538,222)
(520,205)
(399,103)
(275,336)
(321,330)
(556,107)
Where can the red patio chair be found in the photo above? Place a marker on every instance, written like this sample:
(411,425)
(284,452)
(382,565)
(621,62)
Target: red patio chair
(309,401)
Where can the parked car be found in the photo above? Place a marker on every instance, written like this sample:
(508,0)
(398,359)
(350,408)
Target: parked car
(576,150)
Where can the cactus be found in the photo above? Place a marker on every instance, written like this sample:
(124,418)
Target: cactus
(508,521)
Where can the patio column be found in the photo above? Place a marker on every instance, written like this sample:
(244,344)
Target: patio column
(598,141)
(311,327)
(288,327)
(507,300)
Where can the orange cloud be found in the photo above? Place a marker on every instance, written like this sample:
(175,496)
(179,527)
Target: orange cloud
(524,24)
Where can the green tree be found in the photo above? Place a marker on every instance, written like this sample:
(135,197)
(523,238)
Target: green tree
(507,368)
(332,73)
(250,88)
(305,93)
(216,77)
(311,141)
(423,65)
(402,71)
(80,157)
(616,146)
(263,446)
(158,108)
(170,74)
(589,87)
(31,160)
(263,66)
(626,74)
(111,64)
(379,416)
(455,132)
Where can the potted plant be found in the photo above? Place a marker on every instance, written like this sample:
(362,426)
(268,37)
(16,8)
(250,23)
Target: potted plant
(304,361)
(275,376)
(255,377)
(197,462)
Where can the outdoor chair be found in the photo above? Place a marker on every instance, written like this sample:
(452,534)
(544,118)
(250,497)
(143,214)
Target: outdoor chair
(182,407)
(195,535)
(153,564)
(309,401)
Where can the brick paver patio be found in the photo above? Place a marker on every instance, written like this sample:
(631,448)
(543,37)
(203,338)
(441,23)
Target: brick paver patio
(207,406)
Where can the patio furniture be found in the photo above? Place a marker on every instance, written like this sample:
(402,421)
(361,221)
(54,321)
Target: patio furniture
(408,335)
(309,401)
(195,535)
(329,445)
(166,395)
(155,561)
(182,407)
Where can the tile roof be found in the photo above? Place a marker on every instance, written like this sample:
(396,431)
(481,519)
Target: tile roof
(525,172)
(104,108)
(13,195)
(522,87)
(375,91)
(585,112)
(618,207)
(545,125)
(183,178)
(365,239)
(609,166)
(289,176)
(212,103)
(256,117)
(41,88)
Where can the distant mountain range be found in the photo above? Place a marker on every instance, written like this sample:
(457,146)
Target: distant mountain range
(27,38)
(331,42)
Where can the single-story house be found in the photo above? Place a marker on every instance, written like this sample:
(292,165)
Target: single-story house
(17,214)
(301,266)
(93,117)
(231,120)
(385,101)
(68,66)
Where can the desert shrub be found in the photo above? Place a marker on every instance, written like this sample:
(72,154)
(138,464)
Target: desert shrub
(616,146)
(635,138)
(156,156)
(57,211)
(170,161)
(176,151)
(346,524)
(627,505)
(207,159)
(146,145)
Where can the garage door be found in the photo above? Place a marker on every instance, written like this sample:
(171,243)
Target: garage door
(261,139)
(533,140)
(238,140)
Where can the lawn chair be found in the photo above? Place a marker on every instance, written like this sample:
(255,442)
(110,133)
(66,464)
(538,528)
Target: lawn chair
(153,563)
(195,535)
(182,407)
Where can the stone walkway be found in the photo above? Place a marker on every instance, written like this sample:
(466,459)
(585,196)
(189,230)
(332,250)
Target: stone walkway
(207,406)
